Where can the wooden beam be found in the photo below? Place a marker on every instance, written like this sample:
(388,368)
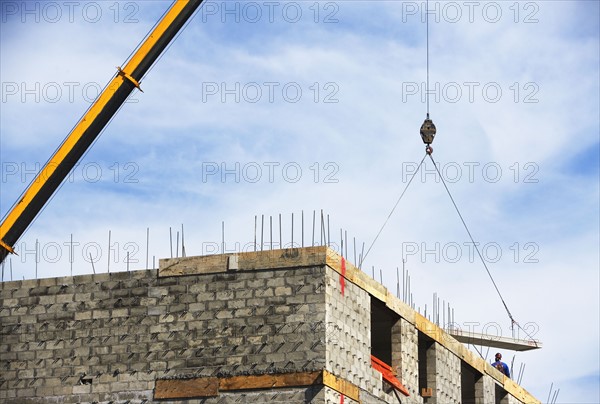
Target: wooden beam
(199,387)
(247,261)
(341,386)
(206,264)
(257,382)
(186,388)
(356,276)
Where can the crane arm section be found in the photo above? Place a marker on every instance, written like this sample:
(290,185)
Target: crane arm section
(91,124)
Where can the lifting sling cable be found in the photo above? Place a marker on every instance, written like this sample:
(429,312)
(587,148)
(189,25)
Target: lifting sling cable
(393,209)
(513,321)
(428,131)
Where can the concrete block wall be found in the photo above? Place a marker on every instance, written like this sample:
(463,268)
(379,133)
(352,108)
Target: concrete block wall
(405,340)
(485,390)
(333,397)
(509,399)
(368,398)
(447,376)
(107,338)
(348,320)
(348,349)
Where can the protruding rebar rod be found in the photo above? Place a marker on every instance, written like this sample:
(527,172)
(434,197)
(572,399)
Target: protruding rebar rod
(182,243)
(171,240)
(346,242)
(108,261)
(271,231)
(328,233)
(313,229)
(302,228)
(147,245)
(322,228)
(71,255)
(37,258)
(92,261)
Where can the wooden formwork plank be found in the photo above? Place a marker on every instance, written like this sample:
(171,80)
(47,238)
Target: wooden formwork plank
(255,382)
(246,261)
(186,388)
(278,259)
(205,264)
(519,392)
(211,386)
(400,308)
(341,386)
(356,276)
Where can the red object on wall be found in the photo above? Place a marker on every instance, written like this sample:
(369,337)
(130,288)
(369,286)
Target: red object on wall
(388,375)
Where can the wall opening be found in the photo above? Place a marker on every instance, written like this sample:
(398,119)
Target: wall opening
(501,395)
(382,321)
(426,365)
(468,379)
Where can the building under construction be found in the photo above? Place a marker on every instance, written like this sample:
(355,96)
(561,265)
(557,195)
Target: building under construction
(299,325)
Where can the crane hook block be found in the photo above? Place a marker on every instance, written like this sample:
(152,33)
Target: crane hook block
(428,131)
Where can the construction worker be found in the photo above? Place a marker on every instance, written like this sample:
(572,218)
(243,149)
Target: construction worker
(501,366)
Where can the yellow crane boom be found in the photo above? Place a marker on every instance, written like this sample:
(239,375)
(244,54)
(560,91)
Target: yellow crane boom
(47,181)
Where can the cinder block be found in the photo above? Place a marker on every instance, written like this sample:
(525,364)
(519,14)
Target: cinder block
(82,389)
(83,315)
(44,282)
(124,312)
(157,310)
(100,314)
(158,292)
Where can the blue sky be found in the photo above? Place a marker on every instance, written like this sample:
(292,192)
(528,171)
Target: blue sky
(518,141)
